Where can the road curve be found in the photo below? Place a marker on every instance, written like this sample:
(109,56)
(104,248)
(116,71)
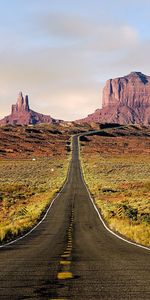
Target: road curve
(70,255)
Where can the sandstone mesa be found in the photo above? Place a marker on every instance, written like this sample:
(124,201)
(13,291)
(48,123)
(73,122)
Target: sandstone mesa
(126,100)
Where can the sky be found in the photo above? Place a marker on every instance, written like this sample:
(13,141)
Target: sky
(61,52)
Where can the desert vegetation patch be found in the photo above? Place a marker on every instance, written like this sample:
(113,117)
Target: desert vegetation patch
(117,171)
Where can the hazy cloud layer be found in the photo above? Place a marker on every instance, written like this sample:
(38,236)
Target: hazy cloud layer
(61,55)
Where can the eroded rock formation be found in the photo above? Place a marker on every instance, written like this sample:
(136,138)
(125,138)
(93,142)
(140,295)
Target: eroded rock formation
(21,114)
(126,100)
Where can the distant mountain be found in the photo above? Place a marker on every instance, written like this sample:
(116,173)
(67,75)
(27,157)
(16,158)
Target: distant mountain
(126,100)
(21,114)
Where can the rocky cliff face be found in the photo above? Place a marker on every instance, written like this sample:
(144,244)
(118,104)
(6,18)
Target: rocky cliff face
(21,114)
(21,106)
(126,100)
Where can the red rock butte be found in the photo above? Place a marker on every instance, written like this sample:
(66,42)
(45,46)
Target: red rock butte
(22,105)
(21,114)
(126,100)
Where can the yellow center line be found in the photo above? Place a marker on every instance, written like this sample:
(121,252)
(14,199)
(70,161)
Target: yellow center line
(69,243)
(64,275)
(67,252)
(69,247)
(65,255)
(65,262)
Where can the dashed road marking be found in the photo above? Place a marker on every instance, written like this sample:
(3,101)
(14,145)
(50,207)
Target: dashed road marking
(69,248)
(65,262)
(64,275)
(65,255)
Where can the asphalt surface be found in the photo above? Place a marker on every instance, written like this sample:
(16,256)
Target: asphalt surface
(72,256)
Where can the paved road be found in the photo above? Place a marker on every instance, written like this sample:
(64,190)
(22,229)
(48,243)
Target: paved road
(71,256)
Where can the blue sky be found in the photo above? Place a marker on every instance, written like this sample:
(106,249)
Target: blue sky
(61,52)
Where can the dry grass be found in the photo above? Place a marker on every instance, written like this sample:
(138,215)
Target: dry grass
(33,166)
(118,175)
(26,188)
